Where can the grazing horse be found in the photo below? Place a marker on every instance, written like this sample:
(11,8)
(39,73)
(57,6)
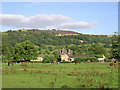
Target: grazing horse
(111,64)
(88,61)
(11,63)
(25,63)
(93,60)
(77,62)
(54,62)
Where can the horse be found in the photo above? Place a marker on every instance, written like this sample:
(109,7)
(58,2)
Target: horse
(54,62)
(93,60)
(11,63)
(88,61)
(111,64)
(25,62)
(77,62)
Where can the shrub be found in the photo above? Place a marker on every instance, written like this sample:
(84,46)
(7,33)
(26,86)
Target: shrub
(78,59)
(48,59)
(84,59)
(92,58)
(66,62)
(98,56)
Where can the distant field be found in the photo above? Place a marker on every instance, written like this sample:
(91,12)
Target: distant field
(63,75)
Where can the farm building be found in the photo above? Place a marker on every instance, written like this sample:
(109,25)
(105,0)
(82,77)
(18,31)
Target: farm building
(65,57)
(101,60)
(71,59)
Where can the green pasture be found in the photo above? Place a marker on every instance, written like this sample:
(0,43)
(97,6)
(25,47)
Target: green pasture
(63,75)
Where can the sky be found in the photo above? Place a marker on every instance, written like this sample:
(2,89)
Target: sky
(100,18)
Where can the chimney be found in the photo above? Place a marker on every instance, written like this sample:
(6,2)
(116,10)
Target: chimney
(63,51)
(69,51)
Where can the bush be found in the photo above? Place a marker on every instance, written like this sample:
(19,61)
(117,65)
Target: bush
(98,56)
(84,59)
(92,58)
(78,59)
(66,62)
(48,59)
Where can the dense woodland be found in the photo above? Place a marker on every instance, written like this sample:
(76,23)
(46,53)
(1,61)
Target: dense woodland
(49,43)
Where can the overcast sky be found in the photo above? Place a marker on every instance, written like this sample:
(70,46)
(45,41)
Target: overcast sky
(83,17)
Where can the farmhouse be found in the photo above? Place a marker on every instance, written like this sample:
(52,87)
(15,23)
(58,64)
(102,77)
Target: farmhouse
(65,55)
(101,60)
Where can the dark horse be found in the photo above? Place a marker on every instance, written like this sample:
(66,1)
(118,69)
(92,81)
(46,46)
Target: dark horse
(77,62)
(93,60)
(54,62)
(113,64)
(12,62)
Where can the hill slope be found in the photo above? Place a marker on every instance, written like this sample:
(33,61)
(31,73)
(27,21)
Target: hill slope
(48,42)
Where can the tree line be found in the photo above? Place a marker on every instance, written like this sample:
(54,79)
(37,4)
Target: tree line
(47,43)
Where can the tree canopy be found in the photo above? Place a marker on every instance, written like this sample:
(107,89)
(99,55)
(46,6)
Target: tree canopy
(49,43)
(49,59)
(116,46)
(25,50)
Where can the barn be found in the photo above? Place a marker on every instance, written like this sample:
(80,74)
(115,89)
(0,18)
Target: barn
(101,60)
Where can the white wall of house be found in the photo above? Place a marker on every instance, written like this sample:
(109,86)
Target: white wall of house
(71,59)
(64,57)
(101,60)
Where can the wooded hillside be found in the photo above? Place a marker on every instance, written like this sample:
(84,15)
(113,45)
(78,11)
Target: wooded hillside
(49,43)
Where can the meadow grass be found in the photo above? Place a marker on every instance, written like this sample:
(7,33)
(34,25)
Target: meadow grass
(63,75)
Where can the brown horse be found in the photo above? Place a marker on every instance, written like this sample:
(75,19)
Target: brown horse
(12,62)
(24,63)
(88,61)
(113,64)
(53,62)
(77,62)
(93,60)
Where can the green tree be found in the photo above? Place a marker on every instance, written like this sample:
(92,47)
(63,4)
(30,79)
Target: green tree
(25,50)
(48,59)
(47,51)
(78,59)
(57,54)
(75,48)
(115,46)
(6,52)
(97,49)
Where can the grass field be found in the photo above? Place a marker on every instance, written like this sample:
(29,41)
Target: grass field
(63,75)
